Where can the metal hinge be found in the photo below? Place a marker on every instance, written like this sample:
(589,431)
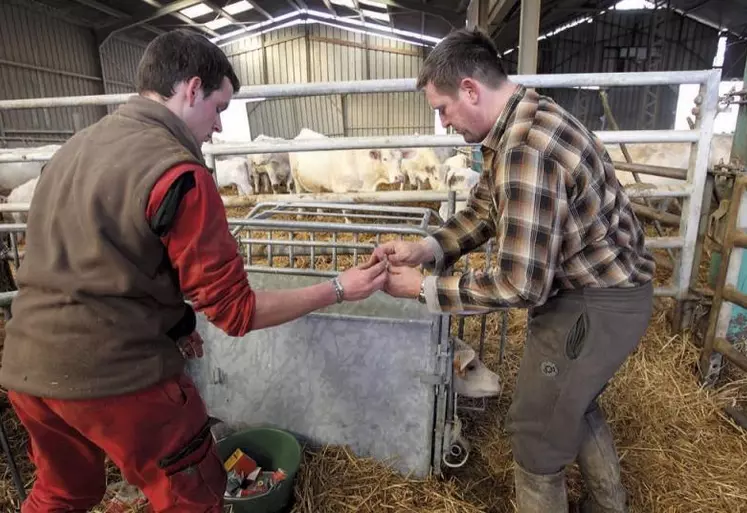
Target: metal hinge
(432,379)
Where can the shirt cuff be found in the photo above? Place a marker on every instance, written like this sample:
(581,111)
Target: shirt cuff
(438,255)
(431,294)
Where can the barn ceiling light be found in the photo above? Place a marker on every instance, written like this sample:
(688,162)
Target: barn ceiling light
(375,15)
(217,23)
(334,21)
(196,11)
(374,3)
(237,7)
(629,5)
(344,3)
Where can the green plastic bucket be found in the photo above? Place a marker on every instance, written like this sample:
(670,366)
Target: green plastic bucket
(271,448)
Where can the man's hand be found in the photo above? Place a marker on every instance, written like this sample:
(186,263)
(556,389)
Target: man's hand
(401,252)
(403,282)
(190,346)
(362,281)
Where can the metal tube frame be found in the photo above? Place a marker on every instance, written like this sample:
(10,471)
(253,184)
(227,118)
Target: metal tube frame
(357,143)
(715,343)
(691,191)
(397,85)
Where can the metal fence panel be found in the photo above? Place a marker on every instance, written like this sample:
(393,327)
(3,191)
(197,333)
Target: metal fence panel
(339,377)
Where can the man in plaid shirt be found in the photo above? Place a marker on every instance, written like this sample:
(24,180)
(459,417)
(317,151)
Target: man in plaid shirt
(569,248)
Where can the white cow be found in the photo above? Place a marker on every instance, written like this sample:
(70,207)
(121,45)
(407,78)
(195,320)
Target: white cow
(424,166)
(471,377)
(234,170)
(667,155)
(456,162)
(341,171)
(13,174)
(444,152)
(22,194)
(421,167)
(270,167)
(459,179)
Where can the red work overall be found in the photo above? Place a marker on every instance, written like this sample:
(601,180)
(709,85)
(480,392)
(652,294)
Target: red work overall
(159,438)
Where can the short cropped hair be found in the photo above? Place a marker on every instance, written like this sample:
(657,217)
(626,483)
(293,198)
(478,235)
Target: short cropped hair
(461,54)
(179,55)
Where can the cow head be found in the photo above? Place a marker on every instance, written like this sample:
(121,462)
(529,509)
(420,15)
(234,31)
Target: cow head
(388,164)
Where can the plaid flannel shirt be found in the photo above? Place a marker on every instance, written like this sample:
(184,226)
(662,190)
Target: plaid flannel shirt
(549,195)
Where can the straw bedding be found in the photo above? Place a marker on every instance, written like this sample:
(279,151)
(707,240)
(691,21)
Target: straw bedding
(679,451)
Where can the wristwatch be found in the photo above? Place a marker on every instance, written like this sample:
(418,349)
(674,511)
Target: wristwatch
(421,296)
(339,291)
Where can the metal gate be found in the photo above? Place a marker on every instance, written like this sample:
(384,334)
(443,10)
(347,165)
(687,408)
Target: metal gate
(429,384)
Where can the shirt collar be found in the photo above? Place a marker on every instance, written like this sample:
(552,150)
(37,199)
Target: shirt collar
(495,134)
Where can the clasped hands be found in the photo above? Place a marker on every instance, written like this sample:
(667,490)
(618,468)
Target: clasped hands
(392,268)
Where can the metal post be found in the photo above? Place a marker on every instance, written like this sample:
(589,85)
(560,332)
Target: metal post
(477,15)
(654,57)
(739,143)
(77,122)
(528,34)
(696,177)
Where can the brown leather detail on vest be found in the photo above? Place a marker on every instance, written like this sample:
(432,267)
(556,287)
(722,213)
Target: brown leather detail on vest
(97,295)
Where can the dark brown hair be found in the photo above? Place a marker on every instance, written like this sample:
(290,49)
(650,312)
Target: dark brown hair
(179,55)
(463,53)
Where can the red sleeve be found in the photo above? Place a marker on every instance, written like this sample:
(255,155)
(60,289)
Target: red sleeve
(204,253)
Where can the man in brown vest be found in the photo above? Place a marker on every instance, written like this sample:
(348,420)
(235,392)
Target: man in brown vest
(126,223)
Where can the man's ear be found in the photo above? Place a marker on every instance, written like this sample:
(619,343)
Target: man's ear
(194,87)
(471,89)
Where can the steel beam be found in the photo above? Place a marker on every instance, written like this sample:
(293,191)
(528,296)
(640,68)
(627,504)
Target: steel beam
(651,94)
(185,19)
(94,4)
(329,7)
(498,13)
(223,14)
(357,7)
(146,16)
(528,34)
(260,10)
(411,5)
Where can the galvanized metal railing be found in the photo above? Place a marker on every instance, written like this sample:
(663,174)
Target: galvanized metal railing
(691,191)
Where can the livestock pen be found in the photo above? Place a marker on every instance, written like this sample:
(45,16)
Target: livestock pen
(679,452)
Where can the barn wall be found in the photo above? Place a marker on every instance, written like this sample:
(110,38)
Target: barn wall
(318,53)
(44,56)
(617,42)
(119,60)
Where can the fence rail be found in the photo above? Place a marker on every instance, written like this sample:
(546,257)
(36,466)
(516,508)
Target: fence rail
(692,190)
(398,85)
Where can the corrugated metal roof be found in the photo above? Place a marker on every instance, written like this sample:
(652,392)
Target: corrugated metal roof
(434,18)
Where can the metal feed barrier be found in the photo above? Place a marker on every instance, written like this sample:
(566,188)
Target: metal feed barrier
(375,374)
(327,379)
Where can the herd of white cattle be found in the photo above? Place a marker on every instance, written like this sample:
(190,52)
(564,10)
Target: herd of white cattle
(337,171)
(347,171)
